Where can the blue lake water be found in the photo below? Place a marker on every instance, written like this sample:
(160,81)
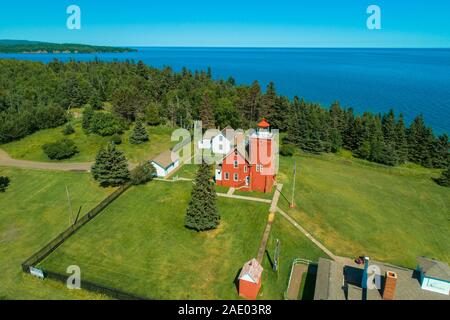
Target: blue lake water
(410,81)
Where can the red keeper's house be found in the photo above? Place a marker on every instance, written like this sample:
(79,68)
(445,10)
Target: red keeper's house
(252,169)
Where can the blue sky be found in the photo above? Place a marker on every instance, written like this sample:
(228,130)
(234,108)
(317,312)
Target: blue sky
(248,23)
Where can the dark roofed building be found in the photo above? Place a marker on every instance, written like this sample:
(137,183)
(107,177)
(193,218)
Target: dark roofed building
(336,281)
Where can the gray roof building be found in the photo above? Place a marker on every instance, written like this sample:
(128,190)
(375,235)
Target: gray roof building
(336,281)
(434,269)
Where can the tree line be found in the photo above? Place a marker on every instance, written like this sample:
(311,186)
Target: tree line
(35,96)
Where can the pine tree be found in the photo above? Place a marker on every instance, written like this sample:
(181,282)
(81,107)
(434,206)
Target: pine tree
(389,128)
(142,70)
(389,154)
(88,113)
(251,103)
(440,152)
(110,167)
(297,129)
(202,214)
(377,145)
(95,102)
(207,112)
(444,180)
(152,116)
(139,134)
(401,143)
(420,140)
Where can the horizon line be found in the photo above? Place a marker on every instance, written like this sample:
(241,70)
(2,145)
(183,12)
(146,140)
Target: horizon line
(231,46)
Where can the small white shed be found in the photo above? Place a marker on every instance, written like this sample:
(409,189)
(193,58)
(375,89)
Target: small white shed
(165,163)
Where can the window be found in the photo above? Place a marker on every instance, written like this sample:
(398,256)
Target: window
(236,164)
(245,169)
(220,147)
(247,180)
(227,176)
(236,177)
(220,138)
(257,168)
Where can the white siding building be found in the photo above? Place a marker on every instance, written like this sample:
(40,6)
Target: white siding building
(165,163)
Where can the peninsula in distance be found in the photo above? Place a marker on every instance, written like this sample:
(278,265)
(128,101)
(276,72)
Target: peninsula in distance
(25,46)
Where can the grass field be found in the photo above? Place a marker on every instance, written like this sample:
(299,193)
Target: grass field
(32,211)
(355,207)
(139,244)
(30,147)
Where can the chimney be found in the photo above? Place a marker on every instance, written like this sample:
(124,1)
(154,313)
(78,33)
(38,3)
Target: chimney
(365,275)
(389,285)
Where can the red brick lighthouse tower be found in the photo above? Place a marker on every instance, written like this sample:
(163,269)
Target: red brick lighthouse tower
(262,158)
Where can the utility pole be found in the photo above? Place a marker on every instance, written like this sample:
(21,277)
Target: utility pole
(292,205)
(70,205)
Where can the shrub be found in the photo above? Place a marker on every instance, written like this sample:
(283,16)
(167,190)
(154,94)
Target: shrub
(116,139)
(287,150)
(143,173)
(4,183)
(68,129)
(444,179)
(62,149)
(106,124)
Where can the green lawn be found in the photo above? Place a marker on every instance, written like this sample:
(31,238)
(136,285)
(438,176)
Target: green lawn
(139,244)
(30,147)
(33,210)
(355,207)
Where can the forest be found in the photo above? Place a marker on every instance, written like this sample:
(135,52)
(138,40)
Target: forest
(36,96)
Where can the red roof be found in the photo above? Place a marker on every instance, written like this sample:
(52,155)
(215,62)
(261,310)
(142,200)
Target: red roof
(263,124)
(251,271)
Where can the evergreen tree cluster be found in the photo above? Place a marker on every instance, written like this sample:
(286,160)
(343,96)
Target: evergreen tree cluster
(111,167)
(35,96)
(378,138)
(202,214)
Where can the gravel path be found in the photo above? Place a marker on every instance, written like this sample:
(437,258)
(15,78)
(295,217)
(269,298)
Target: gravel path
(7,161)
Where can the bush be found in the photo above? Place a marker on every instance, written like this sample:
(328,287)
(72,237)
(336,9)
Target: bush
(444,179)
(106,124)
(143,173)
(62,149)
(287,150)
(116,139)
(68,129)
(4,183)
